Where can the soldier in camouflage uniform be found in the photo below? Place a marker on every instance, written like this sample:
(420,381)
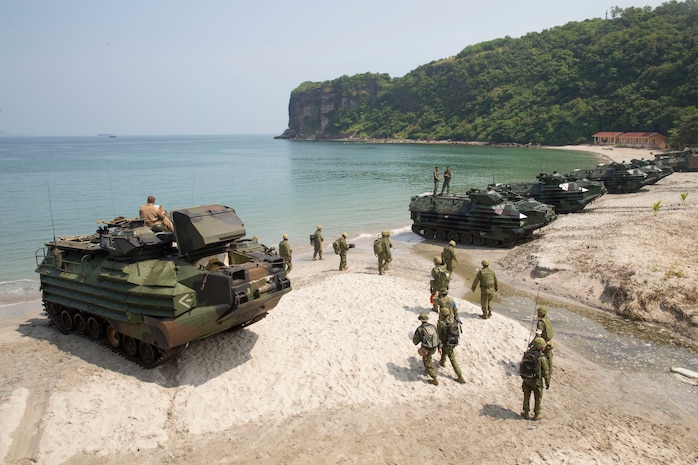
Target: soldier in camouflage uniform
(546,328)
(487,279)
(426,352)
(439,279)
(286,253)
(437,178)
(385,255)
(448,256)
(447,181)
(448,316)
(343,247)
(535,385)
(317,243)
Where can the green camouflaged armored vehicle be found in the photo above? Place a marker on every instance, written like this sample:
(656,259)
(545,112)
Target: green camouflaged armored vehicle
(556,190)
(684,160)
(478,217)
(150,293)
(617,177)
(655,171)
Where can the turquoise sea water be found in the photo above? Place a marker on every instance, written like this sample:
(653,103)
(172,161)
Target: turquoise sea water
(62,185)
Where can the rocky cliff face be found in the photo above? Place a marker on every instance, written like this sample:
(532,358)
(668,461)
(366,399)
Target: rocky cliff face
(316,110)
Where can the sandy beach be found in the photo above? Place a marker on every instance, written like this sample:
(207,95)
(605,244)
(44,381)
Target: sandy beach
(331,375)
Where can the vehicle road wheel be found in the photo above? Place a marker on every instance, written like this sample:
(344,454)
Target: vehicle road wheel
(66,321)
(148,353)
(428,233)
(130,345)
(94,328)
(113,337)
(453,236)
(466,238)
(478,240)
(80,324)
(492,242)
(441,235)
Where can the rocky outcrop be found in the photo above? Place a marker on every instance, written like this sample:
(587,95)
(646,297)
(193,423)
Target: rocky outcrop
(316,109)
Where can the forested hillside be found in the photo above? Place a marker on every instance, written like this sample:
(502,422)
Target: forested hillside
(635,71)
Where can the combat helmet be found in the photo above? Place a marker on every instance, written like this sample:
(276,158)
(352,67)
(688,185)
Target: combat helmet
(452,243)
(285,236)
(437,260)
(319,226)
(538,343)
(386,233)
(542,311)
(424,316)
(345,234)
(485,262)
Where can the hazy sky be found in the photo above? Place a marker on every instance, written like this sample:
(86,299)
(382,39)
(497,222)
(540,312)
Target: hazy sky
(158,67)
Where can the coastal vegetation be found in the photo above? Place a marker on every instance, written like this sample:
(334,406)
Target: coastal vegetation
(633,71)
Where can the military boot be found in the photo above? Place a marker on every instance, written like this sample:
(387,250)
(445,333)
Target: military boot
(460,380)
(434,381)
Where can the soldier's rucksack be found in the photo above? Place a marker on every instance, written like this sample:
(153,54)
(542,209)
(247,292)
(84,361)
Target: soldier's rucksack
(377,246)
(312,239)
(335,246)
(441,278)
(430,337)
(528,365)
(453,333)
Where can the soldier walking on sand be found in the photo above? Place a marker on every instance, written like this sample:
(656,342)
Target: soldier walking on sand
(343,247)
(439,280)
(437,178)
(427,335)
(449,332)
(385,256)
(545,327)
(286,253)
(317,243)
(448,255)
(534,384)
(487,279)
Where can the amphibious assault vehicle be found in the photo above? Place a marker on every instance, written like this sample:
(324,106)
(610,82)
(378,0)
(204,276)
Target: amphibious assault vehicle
(478,217)
(655,171)
(684,160)
(617,177)
(149,293)
(565,195)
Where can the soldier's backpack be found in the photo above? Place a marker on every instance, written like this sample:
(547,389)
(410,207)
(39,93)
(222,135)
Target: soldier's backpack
(312,239)
(453,331)
(377,246)
(528,365)
(430,337)
(441,278)
(335,246)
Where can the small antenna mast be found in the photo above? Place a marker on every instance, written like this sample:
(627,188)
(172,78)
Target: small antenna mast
(50,207)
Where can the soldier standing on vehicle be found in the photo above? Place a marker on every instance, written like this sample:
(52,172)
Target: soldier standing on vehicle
(437,178)
(487,279)
(447,181)
(439,279)
(154,216)
(449,332)
(317,243)
(382,248)
(286,253)
(449,256)
(428,336)
(546,329)
(533,382)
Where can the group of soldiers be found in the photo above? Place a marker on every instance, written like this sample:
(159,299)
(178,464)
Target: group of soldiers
(382,248)
(447,180)
(541,347)
(443,337)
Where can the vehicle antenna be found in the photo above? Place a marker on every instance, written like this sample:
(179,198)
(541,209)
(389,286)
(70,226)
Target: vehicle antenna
(50,207)
(111,191)
(533,320)
(193,181)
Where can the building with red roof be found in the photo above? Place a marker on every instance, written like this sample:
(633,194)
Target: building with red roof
(645,140)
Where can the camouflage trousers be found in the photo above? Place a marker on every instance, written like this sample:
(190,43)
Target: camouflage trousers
(548,351)
(534,386)
(447,351)
(289,265)
(342,261)
(383,262)
(428,364)
(486,294)
(317,252)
